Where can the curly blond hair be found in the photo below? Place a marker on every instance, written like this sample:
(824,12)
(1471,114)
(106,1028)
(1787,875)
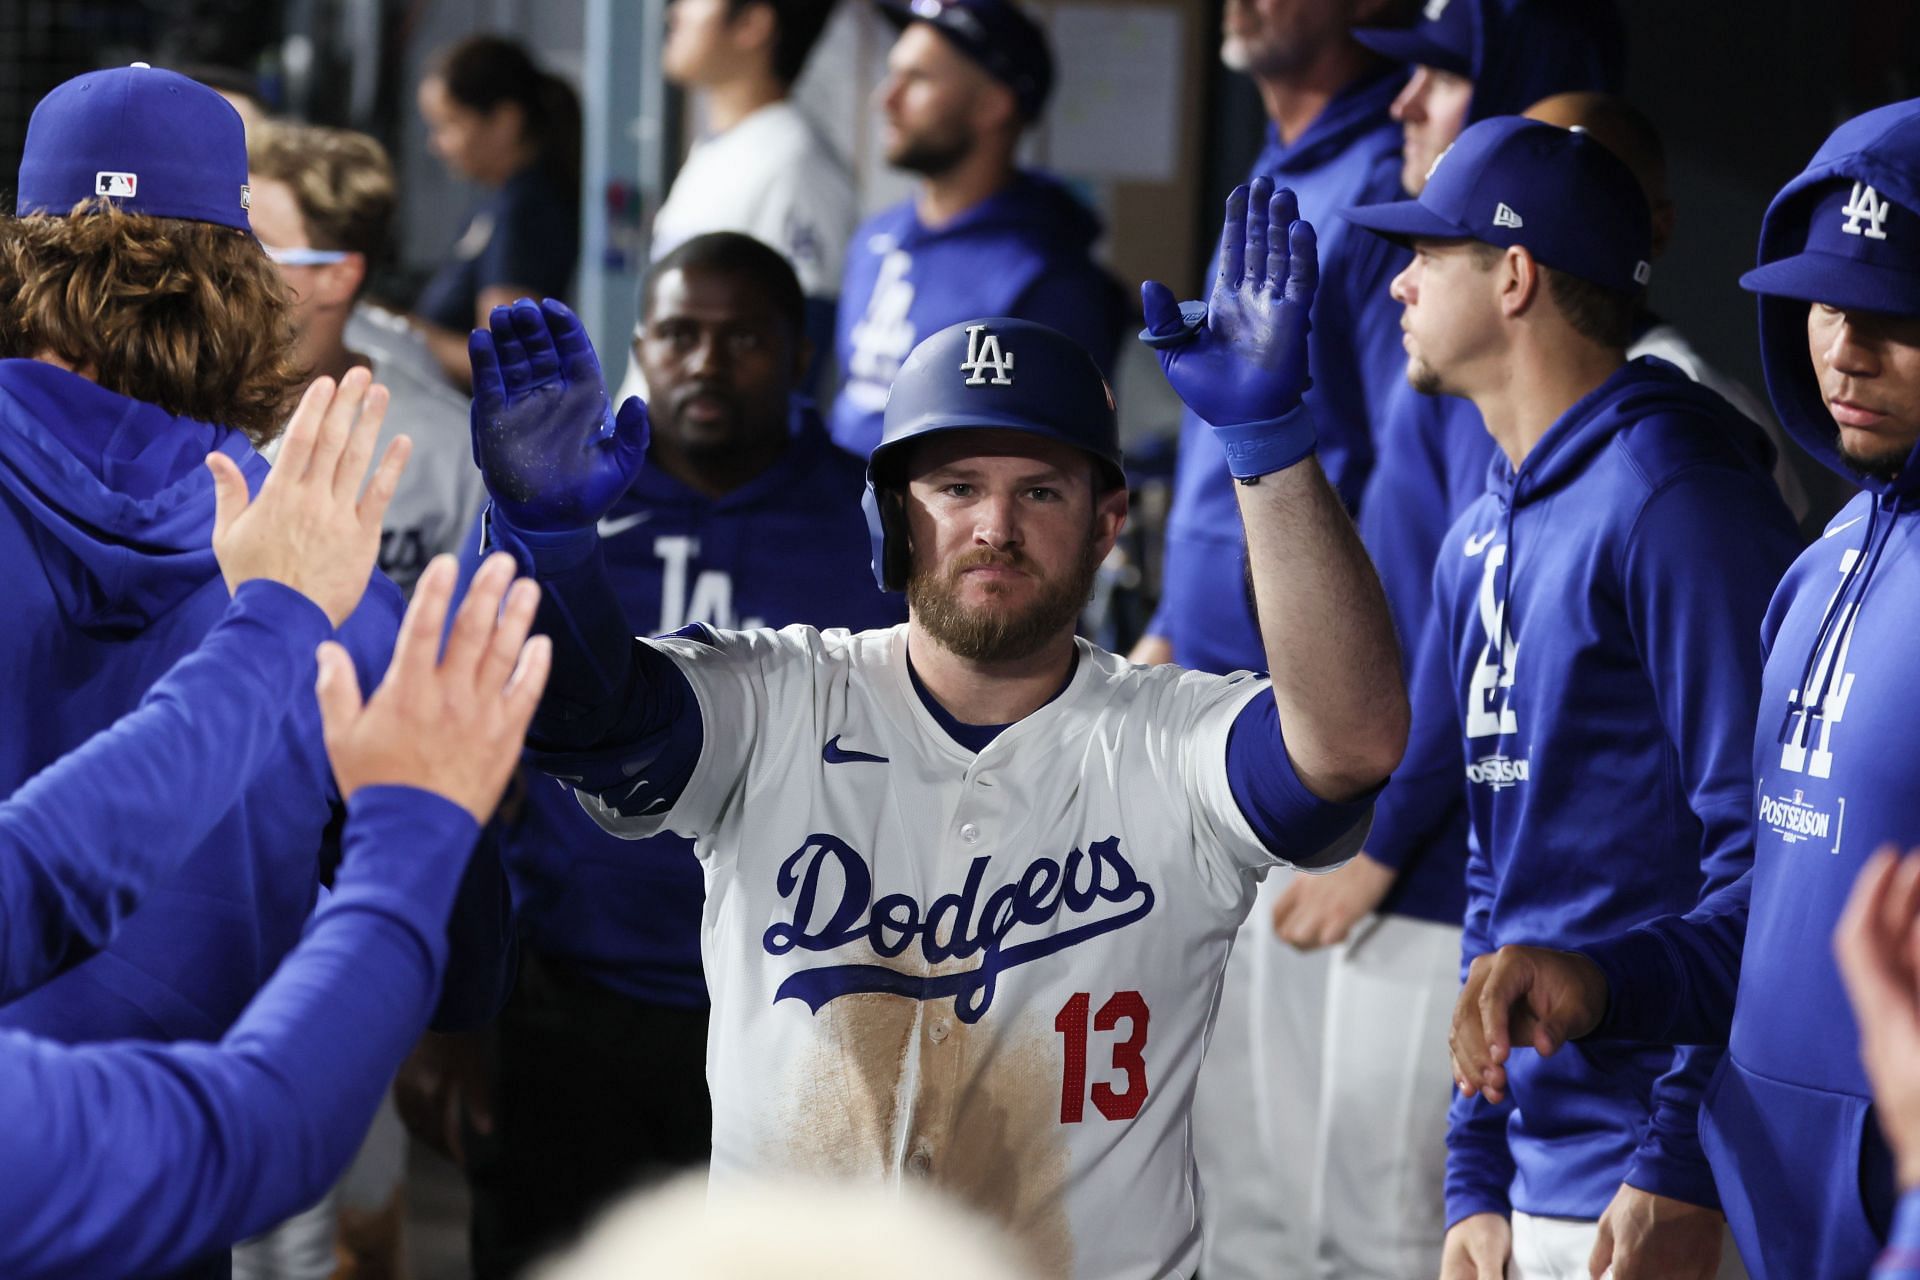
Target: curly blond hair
(187,316)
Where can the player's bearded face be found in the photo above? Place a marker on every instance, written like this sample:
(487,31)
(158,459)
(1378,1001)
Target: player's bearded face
(1007,620)
(1868,367)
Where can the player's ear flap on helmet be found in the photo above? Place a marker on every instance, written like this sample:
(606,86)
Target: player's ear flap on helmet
(898,550)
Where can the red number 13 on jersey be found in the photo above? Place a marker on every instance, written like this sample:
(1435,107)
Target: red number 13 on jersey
(1115,1104)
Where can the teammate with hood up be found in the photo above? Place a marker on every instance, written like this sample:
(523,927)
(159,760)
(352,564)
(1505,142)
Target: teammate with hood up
(981,237)
(1596,608)
(1803,1171)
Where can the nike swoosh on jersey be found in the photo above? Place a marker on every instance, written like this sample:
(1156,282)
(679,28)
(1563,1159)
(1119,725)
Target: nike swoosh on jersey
(833,754)
(1842,528)
(610,528)
(1474,546)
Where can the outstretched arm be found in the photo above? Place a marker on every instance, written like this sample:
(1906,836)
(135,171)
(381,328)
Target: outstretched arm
(1240,363)
(132,1157)
(83,841)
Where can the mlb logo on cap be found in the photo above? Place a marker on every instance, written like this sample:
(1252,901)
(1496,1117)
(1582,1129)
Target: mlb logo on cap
(150,141)
(1556,192)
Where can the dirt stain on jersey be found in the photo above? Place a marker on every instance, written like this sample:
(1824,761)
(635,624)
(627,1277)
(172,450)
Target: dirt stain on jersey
(894,1088)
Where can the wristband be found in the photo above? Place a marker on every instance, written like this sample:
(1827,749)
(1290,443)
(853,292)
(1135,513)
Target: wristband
(1255,449)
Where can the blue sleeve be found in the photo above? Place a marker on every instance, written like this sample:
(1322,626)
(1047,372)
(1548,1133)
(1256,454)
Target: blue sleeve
(483,949)
(137,1158)
(1426,791)
(1697,637)
(618,718)
(1291,821)
(1085,305)
(1672,980)
(1901,1259)
(85,840)
(1480,1164)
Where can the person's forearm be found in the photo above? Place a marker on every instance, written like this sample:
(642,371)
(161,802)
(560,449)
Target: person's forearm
(85,840)
(1327,633)
(141,1158)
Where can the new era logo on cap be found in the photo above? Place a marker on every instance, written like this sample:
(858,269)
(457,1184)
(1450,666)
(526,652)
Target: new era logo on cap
(1504,216)
(121,186)
(1866,213)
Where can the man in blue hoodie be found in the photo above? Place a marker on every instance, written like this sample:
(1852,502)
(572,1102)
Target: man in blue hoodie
(1594,609)
(982,236)
(1803,1171)
(138,321)
(1379,1119)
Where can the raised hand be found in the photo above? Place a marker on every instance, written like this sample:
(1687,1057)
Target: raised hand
(310,527)
(1243,357)
(554,454)
(452,725)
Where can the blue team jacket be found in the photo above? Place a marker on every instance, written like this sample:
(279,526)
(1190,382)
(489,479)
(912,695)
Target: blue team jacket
(1434,452)
(1804,1175)
(1598,617)
(1350,154)
(106,510)
(790,546)
(1023,252)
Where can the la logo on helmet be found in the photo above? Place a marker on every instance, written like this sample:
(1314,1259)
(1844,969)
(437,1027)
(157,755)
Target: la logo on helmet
(984,356)
(1866,213)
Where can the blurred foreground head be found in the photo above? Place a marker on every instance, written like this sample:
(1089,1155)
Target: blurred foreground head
(794,1230)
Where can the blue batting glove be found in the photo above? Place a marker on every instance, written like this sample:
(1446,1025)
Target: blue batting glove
(554,455)
(1240,360)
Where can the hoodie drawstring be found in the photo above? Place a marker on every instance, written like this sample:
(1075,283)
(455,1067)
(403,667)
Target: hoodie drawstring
(1812,703)
(1502,624)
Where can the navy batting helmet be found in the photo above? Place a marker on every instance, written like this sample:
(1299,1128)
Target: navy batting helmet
(1001,373)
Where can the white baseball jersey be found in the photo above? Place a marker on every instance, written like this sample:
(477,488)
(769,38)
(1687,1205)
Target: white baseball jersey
(994,972)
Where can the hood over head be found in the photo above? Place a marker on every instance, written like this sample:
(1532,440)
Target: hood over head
(116,491)
(1845,232)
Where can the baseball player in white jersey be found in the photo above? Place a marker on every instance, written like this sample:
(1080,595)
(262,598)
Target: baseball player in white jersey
(971,881)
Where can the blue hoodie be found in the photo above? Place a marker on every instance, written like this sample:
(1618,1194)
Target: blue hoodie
(1804,1175)
(1350,154)
(1023,252)
(789,546)
(1431,455)
(106,512)
(1624,568)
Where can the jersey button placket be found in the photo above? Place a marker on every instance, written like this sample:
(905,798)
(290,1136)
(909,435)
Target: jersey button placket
(970,833)
(920,1163)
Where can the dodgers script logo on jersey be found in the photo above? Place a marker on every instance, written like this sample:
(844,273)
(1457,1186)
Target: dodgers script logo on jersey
(1054,904)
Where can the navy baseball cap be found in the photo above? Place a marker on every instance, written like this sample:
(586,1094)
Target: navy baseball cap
(994,33)
(1862,252)
(1443,38)
(150,141)
(1508,180)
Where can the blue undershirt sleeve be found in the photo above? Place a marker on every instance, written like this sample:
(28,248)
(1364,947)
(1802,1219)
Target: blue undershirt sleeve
(1291,821)
(139,1158)
(85,840)
(618,720)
